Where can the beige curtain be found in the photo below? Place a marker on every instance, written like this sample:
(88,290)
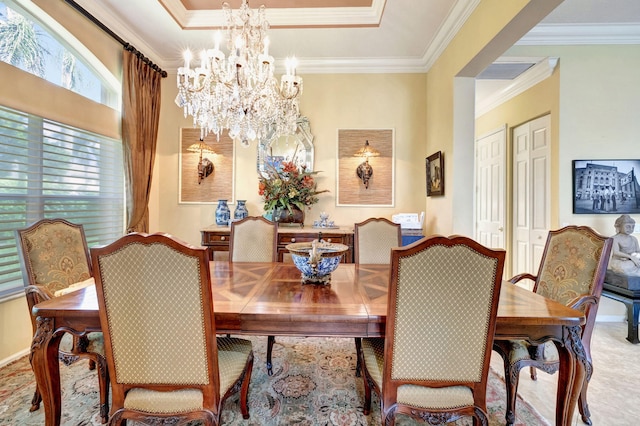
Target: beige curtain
(140,116)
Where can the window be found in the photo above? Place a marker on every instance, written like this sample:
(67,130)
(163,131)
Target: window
(45,50)
(49,170)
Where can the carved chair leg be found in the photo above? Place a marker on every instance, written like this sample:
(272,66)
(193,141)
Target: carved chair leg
(244,390)
(270,341)
(36,400)
(103,385)
(358,356)
(583,406)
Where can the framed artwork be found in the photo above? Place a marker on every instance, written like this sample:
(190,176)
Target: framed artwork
(365,168)
(435,174)
(606,186)
(205,176)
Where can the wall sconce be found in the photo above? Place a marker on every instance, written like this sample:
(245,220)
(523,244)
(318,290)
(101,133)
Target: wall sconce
(364,170)
(205,166)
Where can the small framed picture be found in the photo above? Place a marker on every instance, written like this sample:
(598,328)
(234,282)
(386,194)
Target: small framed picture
(606,186)
(435,174)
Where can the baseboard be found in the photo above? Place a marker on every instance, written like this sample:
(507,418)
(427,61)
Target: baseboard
(13,357)
(611,318)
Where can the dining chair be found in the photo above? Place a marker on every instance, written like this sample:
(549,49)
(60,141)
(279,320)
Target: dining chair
(571,271)
(157,314)
(373,240)
(255,239)
(54,259)
(433,362)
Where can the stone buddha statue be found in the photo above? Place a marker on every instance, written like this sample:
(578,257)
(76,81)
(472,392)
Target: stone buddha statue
(625,254)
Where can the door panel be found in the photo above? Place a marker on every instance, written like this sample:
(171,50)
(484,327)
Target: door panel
(531,193)
(490,184)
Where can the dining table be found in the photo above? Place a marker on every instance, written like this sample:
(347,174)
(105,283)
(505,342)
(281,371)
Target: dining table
(270,299)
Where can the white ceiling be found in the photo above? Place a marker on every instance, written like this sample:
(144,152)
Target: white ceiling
(367,36)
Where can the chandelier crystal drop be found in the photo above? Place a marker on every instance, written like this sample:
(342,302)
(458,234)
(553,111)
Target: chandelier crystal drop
(239,93)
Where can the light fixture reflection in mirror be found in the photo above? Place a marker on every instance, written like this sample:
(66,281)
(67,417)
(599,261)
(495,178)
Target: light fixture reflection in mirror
(296,147)
(364,170)
(205,166)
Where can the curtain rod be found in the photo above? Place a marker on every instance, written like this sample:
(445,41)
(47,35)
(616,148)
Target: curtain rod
(115,36)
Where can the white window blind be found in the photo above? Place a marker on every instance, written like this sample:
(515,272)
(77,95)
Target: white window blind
(50,170)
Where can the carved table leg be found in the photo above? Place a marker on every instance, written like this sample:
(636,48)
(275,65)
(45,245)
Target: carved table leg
(573,364)
(44,362)
(270,341)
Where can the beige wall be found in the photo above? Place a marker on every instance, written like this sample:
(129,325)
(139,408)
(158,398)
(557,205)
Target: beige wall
(331,102)
(490,30)
(598,104)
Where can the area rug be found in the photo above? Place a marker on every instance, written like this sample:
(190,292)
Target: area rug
(314,383)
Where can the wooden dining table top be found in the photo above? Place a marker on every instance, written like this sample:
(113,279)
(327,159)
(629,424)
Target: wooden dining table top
(269,298)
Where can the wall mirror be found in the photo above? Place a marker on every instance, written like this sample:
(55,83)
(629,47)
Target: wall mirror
(298,147)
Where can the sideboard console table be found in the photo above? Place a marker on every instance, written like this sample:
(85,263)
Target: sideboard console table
(217,239)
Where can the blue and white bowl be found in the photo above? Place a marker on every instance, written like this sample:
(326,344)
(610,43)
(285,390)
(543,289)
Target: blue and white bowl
(318,272)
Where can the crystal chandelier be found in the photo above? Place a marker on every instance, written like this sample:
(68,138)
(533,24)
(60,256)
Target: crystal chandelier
(239,92)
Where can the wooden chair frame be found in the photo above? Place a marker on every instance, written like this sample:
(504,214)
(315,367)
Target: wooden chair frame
(586,302)
(212,401)
(357,229)
(388,394)
(271,340)
(357,233)
(232,235)
(36,293)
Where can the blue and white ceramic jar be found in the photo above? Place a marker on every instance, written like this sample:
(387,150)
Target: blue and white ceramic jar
(223,214)
(241,210)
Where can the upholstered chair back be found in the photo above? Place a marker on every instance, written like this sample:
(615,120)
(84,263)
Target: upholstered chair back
(153,301)
(570,265)
(54,258)
(253,239)
(443,305)
(374,239)
(156,311)
(53,255)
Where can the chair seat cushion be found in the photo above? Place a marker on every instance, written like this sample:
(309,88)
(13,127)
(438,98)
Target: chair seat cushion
(159,402)
(520,350)
(232,358)
(417,396)
(373,353)
(96,343)
(446,398)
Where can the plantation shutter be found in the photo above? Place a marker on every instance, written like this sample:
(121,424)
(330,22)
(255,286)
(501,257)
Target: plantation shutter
(50,170)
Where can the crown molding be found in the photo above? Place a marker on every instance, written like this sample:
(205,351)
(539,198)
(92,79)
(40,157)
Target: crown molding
(576,34)
(283,17)
(458,15)
(359,66)
(539,72)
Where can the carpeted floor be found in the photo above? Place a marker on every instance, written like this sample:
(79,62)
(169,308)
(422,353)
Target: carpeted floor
(313,384)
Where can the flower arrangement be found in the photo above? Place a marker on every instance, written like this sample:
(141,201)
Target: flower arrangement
(288,186)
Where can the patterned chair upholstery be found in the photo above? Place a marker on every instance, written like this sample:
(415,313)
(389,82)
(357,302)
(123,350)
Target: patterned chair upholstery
(157,316)
(433,363)
(54,259)
(373,240)
(255,239)
(571,272)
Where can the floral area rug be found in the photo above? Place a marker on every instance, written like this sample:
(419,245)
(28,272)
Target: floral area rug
(313,383)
